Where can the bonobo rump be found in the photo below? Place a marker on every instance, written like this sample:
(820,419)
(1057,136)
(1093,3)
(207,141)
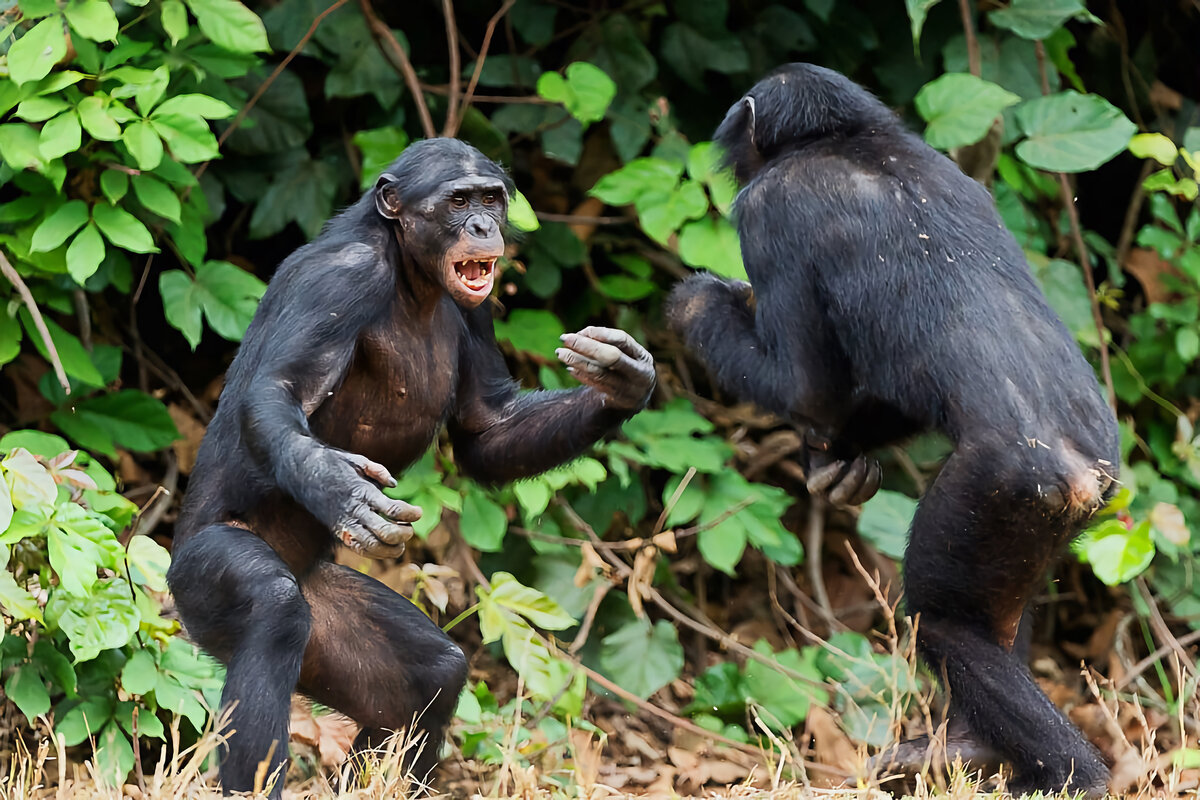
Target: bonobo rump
(367,341)
(889,299)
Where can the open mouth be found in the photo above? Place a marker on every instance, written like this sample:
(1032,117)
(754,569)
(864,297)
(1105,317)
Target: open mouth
(475,273)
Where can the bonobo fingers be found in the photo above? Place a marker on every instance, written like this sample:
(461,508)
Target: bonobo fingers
(823,477)
(392,508)
(846,484)
(369,469)
(357,537)
(610,361)
(618,339)
(587,354)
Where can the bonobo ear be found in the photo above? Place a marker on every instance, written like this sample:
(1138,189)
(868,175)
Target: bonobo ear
(387,196)
(736,135)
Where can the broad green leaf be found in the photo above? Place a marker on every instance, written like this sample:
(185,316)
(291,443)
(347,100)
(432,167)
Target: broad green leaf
(586,91)
(140,673)
(174,20)
(1037,19)
(92,19)
(662,213)
(785,700)
(704,165)
(182,304)
(527,602)
(230,297)
(195,105)
(33,55)
(40,109)
(58,227)
(97,120)
(20,146)
(1071,132)
(129,418)
(722,545)
(156,196)
(1156,146)
(10,339)
(640,658)
(691,53)
(960,109)
(84,720)
(885,520)
(114,183)
(531,330)
(230,25)
(36,9)
(712,244)
(15,601)
(114,755)
(123,229)
(917,11)
(520,214)
(85,254)
(190,139)
(27,690)
(379,148)
(304,194)
(144,144)
(483,523)
(638,177)
(148,562)
(1064,287)
(75,359)
(60,136)
(1116,553)
(30,484)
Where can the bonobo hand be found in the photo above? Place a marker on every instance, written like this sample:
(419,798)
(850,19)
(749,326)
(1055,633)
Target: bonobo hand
(362,517)
(841,481)
(611,362)
(691,302)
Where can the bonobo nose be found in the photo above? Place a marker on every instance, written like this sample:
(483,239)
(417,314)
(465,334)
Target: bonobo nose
(481,227)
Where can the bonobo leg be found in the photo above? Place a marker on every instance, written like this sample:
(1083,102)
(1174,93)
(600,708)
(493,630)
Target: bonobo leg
(983,538)
(243,605)
(376,658)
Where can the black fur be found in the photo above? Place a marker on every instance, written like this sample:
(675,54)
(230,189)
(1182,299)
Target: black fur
(359,353)
(890,299)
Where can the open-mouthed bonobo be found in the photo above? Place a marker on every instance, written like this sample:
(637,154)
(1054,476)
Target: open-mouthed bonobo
(889,299)
(367,342)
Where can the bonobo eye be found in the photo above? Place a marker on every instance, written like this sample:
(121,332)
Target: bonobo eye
(458,201)
(489,198)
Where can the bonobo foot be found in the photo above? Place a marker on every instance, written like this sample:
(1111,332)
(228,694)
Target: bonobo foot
(922,754)
(840,480)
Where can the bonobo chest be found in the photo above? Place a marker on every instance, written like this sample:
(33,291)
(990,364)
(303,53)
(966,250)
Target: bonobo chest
(399,388)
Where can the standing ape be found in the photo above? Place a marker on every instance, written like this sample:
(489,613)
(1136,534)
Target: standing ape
(890,300)
(367,342)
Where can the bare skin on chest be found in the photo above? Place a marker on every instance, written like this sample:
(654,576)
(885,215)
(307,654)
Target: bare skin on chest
(398,390)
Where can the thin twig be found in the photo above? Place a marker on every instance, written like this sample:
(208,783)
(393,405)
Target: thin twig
(1165,637)
(814,536)
(387,41)
(532,99)
(465,102)
(262,89)
(574,219)
(451,125)
(1081,251)
(974,59)
(14,278)
(1137,669)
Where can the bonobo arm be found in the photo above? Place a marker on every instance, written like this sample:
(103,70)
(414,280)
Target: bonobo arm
(295,352)
(501,434)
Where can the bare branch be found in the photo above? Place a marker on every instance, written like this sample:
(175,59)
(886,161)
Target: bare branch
(387,41)
(974,59)
(465,103)
(9,272)
(451,125)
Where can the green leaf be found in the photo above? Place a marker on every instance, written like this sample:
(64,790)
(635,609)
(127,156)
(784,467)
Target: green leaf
(1116,553)
(92,19)
(97,120)
(26,688)
(114,755)
(917,11)
(85,254)
(129,418)
(182,304)
(190,139)
(712,244)
(115,184)
(885,520)
(525,601)
(1071,132)
(305,194)
(483,523)
(690,54)
(20,146)
(60,136)
(1156,146)
(638,177)
(1037,19)
(84,720)
(58,227)
(960,109)
(15,601)
(230,297)
(520,214)
(642,659)
(156,196)
(174,20)
(230,25)
(785,700)
(1064,287)
(123,229)
(144,144)
(40,109)
(531,330)
(148,563)
(195,105)
(586,91)
(140,673)
(33,55)
(662,213)
(75,360)
(379,148)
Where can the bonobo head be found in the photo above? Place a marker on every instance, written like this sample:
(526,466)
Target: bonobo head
(794,105)
(449,202)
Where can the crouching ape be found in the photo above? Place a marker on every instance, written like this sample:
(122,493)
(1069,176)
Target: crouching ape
(888,299)
(367,342)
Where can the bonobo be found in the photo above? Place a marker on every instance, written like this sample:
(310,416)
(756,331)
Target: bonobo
(889,299)
(367,342)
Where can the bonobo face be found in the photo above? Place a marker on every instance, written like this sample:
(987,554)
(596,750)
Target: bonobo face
(449,202)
